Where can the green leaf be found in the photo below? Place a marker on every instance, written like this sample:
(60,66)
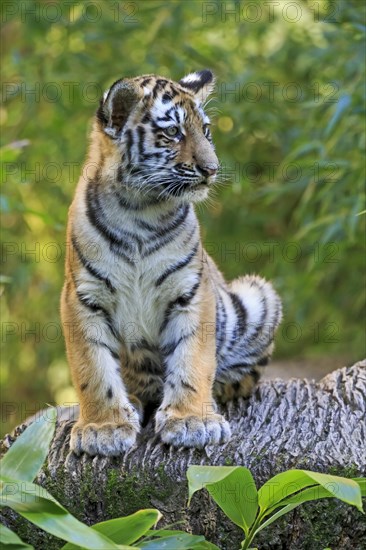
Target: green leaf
(361,482)
(10,540)
(311,493)
(231,487)
(26,456)
(183,541)
(39,507)
(276,491)
(318,492)
(125,530)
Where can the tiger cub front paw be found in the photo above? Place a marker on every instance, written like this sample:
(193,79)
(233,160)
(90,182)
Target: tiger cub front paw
(192,431)
(107,439)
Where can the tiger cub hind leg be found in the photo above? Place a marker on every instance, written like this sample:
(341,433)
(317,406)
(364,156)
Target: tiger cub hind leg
(249,312)
(229,391)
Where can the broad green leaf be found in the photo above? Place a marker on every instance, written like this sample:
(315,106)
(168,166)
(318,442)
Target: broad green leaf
(39,507)
(311,493)
(26,456)
(281,486)
(125,530)
(318,492)
(276,491)
(231,487)
(342,488)
(184,541)
(10,540)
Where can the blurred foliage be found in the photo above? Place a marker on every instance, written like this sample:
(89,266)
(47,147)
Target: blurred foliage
(289,131)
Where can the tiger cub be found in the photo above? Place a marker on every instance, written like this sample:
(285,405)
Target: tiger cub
(149,321)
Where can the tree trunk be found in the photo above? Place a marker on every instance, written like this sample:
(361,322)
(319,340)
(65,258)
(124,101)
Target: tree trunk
(294,424)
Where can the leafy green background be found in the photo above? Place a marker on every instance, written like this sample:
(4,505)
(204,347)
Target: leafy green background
(289,132)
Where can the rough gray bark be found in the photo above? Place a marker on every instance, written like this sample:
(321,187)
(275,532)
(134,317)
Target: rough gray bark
(294,424)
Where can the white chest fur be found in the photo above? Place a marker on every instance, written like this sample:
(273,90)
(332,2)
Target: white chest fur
(150,259)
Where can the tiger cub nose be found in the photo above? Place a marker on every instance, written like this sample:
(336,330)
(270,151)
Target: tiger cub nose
(208,169)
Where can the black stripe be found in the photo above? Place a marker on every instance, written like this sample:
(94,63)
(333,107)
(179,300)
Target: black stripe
(145,81)
(97,308)
(167,116)
(89,267)
(105,346)
(129,141)
(172,226)
(146,118)
(166,98)
(168,349)
(241,318)
(176,267)
(142,344)
(189,236)
(90,304)
(182,301)
(141,136)
(237,366)
(263,361)
(166,234)
(264,312)
(84,386)
(159,85)
(96,217)
(255,375)
(188,386)
(221,320)
(204,77)
(148,366)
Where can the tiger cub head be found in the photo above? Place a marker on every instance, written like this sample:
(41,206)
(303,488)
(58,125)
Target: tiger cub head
(155,137)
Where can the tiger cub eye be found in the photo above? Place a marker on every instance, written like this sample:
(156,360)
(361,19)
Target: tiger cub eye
(172,131)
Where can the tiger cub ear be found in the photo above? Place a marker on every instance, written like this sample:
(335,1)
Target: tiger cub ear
(201,83)
(118,102)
